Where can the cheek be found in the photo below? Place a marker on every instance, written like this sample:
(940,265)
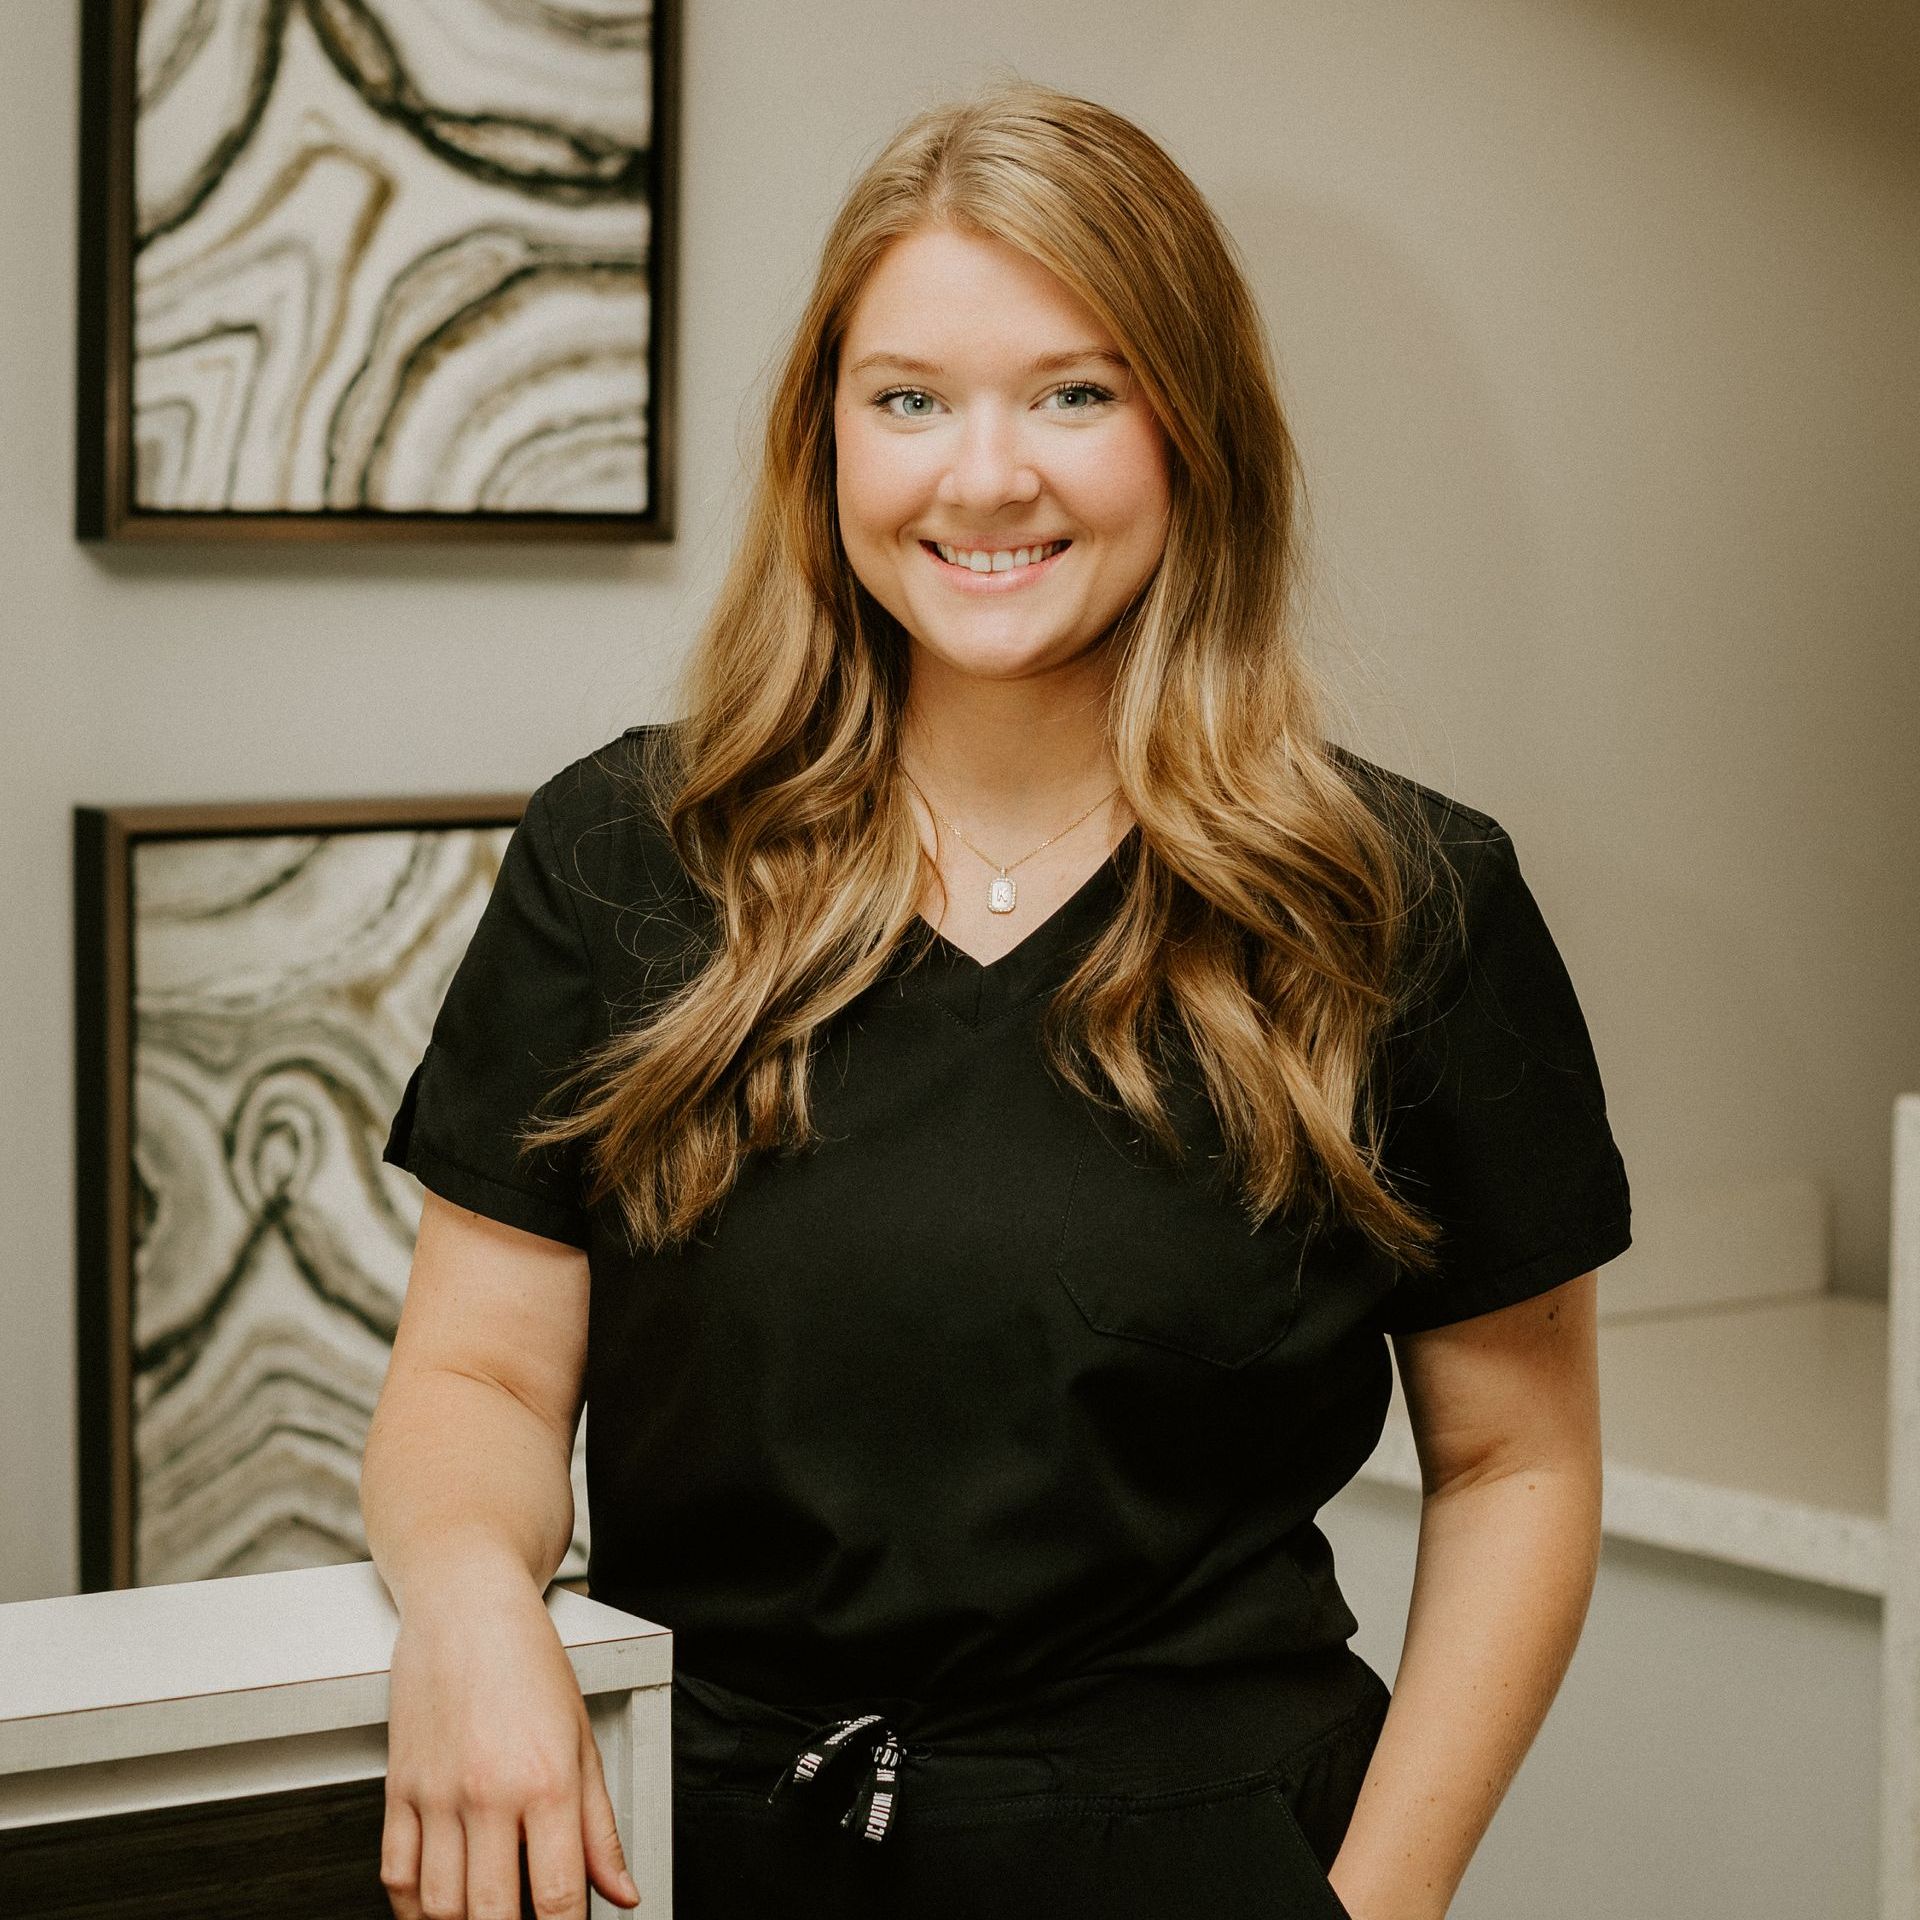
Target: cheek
(876,487)
(1123,486)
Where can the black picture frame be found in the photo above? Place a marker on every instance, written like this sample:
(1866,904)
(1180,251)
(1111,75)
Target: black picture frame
(253,982)
(106,507)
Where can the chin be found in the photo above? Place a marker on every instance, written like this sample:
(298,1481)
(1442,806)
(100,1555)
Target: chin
(988,660)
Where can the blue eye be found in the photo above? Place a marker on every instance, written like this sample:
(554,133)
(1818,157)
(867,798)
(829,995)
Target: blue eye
(1101,395)
(881,400)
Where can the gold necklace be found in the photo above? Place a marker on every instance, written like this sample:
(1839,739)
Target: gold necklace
(1000,889)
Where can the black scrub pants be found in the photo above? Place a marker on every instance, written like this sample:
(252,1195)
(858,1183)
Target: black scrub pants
(1163,1794)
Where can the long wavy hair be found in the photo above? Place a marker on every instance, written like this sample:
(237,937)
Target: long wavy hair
(1264,911)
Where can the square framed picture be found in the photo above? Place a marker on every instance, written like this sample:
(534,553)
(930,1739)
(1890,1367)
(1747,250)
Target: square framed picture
(376,269)
(253,985)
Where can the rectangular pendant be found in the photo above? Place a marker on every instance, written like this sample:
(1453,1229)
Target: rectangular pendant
(1000,894)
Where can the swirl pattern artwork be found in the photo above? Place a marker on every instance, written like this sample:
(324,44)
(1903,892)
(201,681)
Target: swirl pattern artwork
(283,986)
(378,258)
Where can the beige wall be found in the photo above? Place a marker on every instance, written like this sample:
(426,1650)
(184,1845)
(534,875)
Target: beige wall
(1711,1753)
(1597,325)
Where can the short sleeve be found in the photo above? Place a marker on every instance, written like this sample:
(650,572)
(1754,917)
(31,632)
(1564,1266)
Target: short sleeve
(514,1018)
(1498,1123)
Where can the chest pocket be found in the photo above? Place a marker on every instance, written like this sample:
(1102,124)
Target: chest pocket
(1153,1252)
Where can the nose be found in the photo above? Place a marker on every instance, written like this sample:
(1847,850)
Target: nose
(991,465)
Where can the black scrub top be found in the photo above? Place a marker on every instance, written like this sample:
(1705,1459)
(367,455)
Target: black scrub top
(979,1394)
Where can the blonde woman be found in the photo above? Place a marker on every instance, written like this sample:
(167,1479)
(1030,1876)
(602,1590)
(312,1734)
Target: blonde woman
(969,1103)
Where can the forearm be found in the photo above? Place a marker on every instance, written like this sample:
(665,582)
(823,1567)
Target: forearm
(1504,1572)
(461,1481)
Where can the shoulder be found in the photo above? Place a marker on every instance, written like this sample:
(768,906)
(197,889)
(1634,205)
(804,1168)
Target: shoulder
(1457,866)
(591,791)
(613,796)
(1450,849)
(603,814)
(1450,819)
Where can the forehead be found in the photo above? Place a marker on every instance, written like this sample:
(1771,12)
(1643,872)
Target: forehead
(940,295)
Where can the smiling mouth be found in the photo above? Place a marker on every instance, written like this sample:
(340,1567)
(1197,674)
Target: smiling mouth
(1005,565)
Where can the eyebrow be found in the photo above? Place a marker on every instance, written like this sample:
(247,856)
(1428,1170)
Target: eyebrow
(1047,363)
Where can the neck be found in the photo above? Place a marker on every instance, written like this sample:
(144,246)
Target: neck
(1013,759)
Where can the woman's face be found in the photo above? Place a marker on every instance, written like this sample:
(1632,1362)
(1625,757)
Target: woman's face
(980,407)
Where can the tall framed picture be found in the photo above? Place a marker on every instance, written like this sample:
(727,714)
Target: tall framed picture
(253,985)
(376,269)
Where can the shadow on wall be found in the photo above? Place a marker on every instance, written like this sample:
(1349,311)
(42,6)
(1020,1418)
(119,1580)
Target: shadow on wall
(1402,425)
(1857,66)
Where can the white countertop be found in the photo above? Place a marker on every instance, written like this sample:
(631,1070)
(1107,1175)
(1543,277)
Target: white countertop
(1751,1431)
(147,1670)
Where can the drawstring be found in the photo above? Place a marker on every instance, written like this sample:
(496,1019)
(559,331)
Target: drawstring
(871,1807)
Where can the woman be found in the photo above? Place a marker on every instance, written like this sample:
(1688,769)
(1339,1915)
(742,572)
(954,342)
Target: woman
(997,1074)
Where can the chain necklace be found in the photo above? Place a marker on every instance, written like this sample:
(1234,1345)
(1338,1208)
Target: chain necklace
(1000,889)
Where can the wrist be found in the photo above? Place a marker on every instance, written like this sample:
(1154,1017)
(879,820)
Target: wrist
(461,1570)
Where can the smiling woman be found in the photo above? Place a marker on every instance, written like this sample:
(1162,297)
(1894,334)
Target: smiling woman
(990,1046)
(944,504)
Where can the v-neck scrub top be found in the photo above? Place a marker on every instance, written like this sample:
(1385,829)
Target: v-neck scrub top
(978,1398)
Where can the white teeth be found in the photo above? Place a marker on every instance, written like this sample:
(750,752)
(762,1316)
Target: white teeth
(1001,562)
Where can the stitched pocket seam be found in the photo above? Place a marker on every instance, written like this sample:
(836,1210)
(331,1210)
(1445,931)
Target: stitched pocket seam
(1090,1138)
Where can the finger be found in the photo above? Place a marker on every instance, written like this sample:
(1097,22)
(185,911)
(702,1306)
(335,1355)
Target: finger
(400,1859)
(556,1868)
(443,1861)
(606,1859)
(493,1862)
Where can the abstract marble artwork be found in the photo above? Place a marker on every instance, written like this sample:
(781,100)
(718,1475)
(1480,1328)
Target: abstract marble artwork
(283,987)
(384,257)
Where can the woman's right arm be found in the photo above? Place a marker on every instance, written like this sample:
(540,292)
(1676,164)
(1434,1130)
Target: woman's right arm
(467,1499)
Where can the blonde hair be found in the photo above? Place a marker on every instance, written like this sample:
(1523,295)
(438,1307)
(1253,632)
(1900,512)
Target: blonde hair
(1263,914)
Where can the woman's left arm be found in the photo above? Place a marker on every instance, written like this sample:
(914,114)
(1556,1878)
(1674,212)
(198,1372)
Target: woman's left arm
(1505,1410)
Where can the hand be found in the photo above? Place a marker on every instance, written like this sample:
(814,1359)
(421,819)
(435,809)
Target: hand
(487,1737)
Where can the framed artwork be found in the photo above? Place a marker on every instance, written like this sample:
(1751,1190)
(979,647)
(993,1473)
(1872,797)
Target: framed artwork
(253,985)
(376,269)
